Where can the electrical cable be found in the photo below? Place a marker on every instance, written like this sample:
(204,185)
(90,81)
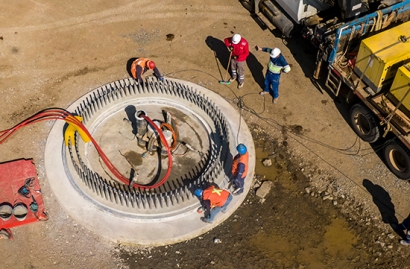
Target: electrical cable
(238,100)
(62,114)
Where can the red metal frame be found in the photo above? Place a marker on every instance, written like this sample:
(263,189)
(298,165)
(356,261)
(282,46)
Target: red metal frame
(13,175)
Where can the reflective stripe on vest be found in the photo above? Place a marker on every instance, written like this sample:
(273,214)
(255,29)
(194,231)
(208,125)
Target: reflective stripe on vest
(217,197)
(274,68)
(141,62)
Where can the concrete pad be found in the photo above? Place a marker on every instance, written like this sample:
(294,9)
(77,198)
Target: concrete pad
(150,227)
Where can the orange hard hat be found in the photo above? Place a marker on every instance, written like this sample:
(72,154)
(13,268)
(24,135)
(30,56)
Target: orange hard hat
(150,64)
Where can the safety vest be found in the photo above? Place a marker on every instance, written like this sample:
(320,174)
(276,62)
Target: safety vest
(240,159)
(141,62)
(273,68)
(276,65)
(216,196)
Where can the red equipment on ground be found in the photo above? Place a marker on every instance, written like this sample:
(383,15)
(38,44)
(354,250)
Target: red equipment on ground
(19,186)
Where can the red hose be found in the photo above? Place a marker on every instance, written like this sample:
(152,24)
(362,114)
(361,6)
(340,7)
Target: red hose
(61,114)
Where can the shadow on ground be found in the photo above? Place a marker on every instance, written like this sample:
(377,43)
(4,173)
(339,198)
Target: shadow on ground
(290,229)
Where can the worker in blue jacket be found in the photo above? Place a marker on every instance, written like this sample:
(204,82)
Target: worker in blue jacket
(277,64)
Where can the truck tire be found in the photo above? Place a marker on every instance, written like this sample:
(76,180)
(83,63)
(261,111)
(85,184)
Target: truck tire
(364,123)
(397,159)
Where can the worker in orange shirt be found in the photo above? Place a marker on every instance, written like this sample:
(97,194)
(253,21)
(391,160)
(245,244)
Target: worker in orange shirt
(240,168)
(213,200)
(142,65)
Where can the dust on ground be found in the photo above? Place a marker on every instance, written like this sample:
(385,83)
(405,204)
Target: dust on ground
(326,182)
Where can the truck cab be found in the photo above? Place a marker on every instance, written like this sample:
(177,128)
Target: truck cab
(288,15)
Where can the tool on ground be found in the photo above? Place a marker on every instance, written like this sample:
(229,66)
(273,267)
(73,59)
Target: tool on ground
(33,205)
(225,81)
(191,148)
(24,190)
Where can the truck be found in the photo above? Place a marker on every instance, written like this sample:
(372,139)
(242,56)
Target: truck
(364,45)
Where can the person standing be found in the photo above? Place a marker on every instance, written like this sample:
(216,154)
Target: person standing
(405,225)
(142,65)
(240,168)
(239,49)
(213,200)
(277,64)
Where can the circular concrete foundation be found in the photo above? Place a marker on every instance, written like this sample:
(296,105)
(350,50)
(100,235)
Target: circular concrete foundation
(206,127)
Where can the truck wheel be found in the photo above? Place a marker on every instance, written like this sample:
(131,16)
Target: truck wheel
(364,123)
(397,159)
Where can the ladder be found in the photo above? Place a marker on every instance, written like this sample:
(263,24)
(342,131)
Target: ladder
(333,82)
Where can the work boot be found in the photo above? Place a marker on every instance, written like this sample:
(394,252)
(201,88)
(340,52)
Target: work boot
(262,93)
(275,100)
(405,242)
(240,85)
(205,220)
(232,79)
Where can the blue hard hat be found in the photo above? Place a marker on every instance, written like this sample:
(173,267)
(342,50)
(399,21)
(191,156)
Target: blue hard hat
(198,193)
(241,148)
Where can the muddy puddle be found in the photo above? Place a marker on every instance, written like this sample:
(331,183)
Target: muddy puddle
(290,229)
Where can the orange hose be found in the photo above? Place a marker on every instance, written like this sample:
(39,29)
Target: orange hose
(174,136)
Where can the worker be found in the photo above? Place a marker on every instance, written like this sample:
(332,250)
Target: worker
(277,64)
(240,168)
(213,200)
(239,49)
(142,65)
(405,225)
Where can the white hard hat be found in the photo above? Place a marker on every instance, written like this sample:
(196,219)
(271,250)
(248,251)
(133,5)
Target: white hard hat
(236,38)
(275,53)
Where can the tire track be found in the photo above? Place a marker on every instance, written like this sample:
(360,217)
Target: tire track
(158,11)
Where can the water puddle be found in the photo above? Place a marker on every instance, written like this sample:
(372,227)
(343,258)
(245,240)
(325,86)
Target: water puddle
(306,230)
(290,229)
(338,239)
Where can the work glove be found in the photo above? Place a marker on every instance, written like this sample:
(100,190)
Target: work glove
(200,210)
(230,48)
(235,57)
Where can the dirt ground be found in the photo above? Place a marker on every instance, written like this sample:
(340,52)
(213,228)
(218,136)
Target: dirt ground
(332,196)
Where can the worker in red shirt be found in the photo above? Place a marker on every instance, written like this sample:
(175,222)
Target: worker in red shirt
(240,168)
(142,65)
(239,48)
(213,200)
